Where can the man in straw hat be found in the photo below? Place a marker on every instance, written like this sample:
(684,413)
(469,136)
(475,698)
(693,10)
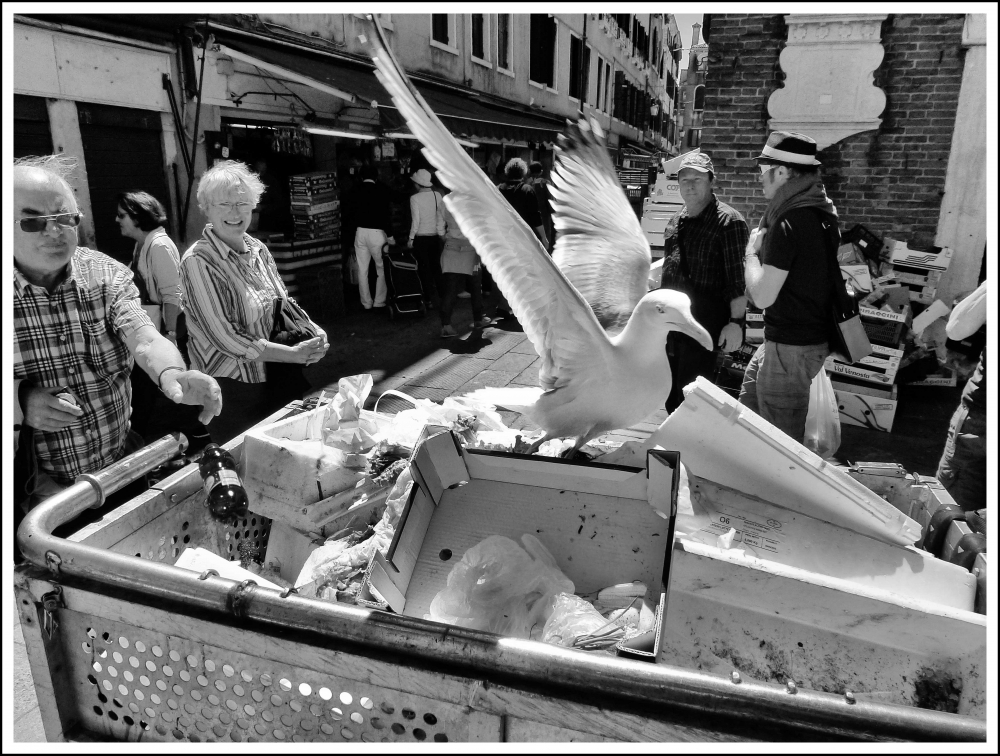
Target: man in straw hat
(787,273)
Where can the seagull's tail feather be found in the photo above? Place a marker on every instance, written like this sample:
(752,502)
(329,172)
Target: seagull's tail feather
(518,398)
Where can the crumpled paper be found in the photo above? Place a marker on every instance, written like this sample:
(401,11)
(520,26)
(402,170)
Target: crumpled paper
(349,559)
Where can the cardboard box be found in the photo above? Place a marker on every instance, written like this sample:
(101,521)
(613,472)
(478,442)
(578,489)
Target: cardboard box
(865,406)
(884,328)
(858,276)
(879,367)
(943,377)
(602,524)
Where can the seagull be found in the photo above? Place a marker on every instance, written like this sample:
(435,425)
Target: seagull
(600,335)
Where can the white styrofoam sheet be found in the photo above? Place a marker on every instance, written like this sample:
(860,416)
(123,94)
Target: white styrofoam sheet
(729,444)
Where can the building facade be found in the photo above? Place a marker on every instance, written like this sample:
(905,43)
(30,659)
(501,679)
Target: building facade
(693,88)
(147,102)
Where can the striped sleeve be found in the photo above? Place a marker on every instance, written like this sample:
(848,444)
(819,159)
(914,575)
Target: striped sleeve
(206,294)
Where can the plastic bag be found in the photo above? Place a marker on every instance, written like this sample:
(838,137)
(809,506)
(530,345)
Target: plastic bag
(501,588)
(571,618)
(823,420)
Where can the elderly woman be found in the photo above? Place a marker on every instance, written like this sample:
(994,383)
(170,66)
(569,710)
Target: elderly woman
(155,263)
(229,284)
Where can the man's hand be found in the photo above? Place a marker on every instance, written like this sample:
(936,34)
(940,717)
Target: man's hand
(390,240)
(193,387)
(409,243)
(731,337)
(47,412)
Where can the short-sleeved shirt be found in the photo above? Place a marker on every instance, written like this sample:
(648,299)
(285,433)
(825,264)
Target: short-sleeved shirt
(75,337)
(713,244)
(521,197)
(157,260)
(801,313)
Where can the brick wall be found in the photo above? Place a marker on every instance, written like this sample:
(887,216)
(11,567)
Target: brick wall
(890,179)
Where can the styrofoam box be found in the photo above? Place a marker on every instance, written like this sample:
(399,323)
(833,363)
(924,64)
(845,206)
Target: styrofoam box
(943,377)
(600,522)
(867,407)
(900,254)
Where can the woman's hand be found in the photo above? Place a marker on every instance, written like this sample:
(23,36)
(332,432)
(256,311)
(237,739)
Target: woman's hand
(310,351)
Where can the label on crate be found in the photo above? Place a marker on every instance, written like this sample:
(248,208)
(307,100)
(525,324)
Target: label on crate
(322,207)
(757,535)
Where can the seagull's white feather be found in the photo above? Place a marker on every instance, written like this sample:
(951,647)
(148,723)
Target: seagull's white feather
(601,247)
(556,318)
(590,382)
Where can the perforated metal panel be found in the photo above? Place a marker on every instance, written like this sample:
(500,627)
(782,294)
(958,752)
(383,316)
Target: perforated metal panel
(133,684)
(190,523)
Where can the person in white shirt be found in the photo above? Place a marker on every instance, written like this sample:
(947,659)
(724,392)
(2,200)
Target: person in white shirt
(426,230)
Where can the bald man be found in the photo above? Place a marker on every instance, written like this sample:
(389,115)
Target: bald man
(78,330)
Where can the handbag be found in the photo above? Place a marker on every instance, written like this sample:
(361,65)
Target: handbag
(848,339)
(291,325)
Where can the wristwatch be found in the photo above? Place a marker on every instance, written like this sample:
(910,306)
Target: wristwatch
(738,321)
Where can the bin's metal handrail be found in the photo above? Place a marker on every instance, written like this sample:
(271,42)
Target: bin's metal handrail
(747,704)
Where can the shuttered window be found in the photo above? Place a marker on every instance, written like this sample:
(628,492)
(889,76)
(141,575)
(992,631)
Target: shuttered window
(32,135)
(478,36)
(543,50)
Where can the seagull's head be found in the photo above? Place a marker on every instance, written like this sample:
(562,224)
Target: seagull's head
(670,310)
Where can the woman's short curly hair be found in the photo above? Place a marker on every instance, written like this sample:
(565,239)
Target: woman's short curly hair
(227,176)
(144,209)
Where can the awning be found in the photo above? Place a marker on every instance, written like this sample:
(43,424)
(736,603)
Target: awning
(469,115)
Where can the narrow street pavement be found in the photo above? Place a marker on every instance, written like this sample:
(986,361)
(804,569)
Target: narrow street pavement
(407,354)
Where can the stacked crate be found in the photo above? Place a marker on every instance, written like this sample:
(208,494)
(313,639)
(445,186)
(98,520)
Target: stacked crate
(310,263)
(315,205)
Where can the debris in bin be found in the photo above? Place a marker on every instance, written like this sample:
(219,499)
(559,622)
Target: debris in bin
(502,588)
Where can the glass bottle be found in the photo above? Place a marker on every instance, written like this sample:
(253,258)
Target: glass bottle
(226,496)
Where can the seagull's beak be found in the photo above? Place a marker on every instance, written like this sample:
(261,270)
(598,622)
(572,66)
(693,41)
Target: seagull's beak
(691,327)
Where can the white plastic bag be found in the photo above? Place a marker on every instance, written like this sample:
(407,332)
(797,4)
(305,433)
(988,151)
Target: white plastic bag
(501,588)
(823,420)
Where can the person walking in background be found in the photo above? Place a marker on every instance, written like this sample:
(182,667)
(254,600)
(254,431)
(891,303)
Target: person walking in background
(540,185)
(521,196)
(460,266)
(373,214)
(704,243)
(229,284)
(787,273)
(155,263)
(79,331)
(426,230)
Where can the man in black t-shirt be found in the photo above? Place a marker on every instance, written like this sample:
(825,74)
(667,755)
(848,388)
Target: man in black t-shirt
(787,273)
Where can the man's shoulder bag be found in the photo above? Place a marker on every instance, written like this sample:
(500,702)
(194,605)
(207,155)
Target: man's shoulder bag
(848,339)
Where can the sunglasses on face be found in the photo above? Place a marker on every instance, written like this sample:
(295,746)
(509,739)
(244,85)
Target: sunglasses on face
(36,223)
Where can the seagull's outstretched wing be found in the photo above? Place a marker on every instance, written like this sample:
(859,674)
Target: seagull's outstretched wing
(555,317)
(600,246)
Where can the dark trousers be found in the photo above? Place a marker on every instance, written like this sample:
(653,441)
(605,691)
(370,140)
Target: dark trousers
(154,415)
(427,251)
(453,283)
(689,359)
(243,406)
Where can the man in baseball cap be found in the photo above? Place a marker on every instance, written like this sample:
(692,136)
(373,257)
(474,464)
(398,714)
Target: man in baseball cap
(704,244)
(787,273)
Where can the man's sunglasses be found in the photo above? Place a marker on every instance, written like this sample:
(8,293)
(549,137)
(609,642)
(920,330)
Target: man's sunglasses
(37,223)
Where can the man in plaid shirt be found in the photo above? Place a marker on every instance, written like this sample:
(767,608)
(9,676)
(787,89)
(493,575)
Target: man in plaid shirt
(703,257)
(78,326)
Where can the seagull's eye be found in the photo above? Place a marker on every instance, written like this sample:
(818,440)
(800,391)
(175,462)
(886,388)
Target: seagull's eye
(659,308)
